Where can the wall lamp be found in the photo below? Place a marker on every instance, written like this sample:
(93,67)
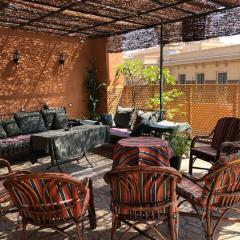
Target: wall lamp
(16,56)
(62,58)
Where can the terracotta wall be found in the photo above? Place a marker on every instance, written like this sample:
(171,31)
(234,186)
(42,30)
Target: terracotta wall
(40,78)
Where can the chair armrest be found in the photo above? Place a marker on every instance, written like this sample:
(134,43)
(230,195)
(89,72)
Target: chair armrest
(6,164)
(13,173)
(229,147)
(201,139)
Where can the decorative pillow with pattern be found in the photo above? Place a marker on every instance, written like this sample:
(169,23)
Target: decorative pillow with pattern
(49,114)
(11,128)
(60,121)
(3,134)
(30,122)
(124,117)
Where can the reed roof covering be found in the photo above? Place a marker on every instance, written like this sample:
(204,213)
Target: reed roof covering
(129,24)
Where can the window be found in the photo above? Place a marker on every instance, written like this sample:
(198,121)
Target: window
(200,78)
(182,78)
(222,78)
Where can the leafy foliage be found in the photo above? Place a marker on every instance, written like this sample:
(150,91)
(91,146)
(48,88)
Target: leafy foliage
(180,143)
(93,89)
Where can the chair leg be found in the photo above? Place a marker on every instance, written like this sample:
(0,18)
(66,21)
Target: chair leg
(115,223)
(190,164)
(24,231)
(173,224)
(79,231)
(209,229)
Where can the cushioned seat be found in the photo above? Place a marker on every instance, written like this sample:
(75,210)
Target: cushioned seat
(13,144)
(121,132)
(189,190)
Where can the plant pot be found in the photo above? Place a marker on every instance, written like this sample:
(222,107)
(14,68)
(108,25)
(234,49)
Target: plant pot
(175,162)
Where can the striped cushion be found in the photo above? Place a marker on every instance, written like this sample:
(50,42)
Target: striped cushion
(51,196)
(190,190)
(227,129)
(140,189)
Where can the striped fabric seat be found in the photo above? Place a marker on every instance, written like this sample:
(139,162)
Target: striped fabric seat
(190,190)
(52,199)
(143,194)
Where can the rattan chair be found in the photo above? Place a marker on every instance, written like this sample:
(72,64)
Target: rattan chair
(6,203)
(225,135)
(218,190)
(51,200)
(143,195)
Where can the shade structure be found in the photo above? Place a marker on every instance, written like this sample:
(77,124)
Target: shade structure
(120,20)
(127,24)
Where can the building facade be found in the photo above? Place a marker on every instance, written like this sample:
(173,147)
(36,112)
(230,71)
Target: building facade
(205,62)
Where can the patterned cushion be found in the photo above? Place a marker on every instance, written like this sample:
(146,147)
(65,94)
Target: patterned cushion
(14,144)
(120,132)
(50,192)
(142,189)
(124,117)
(146,117)
(190,190)
(3,134)
(48,116)
(227,129)
(11,128)
(31,122)
(60,121)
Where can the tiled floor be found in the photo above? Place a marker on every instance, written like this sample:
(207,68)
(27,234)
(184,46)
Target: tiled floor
(189,229)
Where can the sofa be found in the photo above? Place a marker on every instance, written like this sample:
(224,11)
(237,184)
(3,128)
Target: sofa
(16,131)
(130,122)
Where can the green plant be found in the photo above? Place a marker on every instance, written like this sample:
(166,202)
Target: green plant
(180,143)
(93,90)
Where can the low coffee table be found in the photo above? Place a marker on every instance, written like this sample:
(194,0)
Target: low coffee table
(68,144)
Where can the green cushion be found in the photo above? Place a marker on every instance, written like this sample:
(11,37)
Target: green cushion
(60,121)
(124,117)
(11,128)
(30,122)
(3,134)
(49,114)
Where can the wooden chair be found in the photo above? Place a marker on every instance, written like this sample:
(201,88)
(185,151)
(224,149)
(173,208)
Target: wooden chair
(217,190)
(6,203)
(225,135)
(141,195)
(50,200)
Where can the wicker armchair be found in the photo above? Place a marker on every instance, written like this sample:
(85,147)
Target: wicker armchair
(142,195)
(223,138)
(217,190)
(6,203)
(50,200)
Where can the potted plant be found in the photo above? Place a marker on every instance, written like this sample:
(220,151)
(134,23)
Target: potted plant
(180,143)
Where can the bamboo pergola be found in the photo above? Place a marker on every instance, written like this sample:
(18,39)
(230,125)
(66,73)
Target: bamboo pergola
(128,24)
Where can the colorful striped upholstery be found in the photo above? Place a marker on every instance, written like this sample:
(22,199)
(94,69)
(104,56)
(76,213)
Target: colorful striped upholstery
(142,194)
(142,151)
(51,199)
(227,129)
(189,190)
(134,189)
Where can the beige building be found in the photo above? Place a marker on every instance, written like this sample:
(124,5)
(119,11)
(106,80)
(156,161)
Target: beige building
(204,62)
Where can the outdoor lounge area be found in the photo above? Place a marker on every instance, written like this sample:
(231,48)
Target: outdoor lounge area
(94,146)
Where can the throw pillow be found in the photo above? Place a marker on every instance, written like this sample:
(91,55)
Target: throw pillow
(124,117)
(49,114)
(11,128)
(60,121)
(3,134)
(146,117)
(107,119)
(30,122)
